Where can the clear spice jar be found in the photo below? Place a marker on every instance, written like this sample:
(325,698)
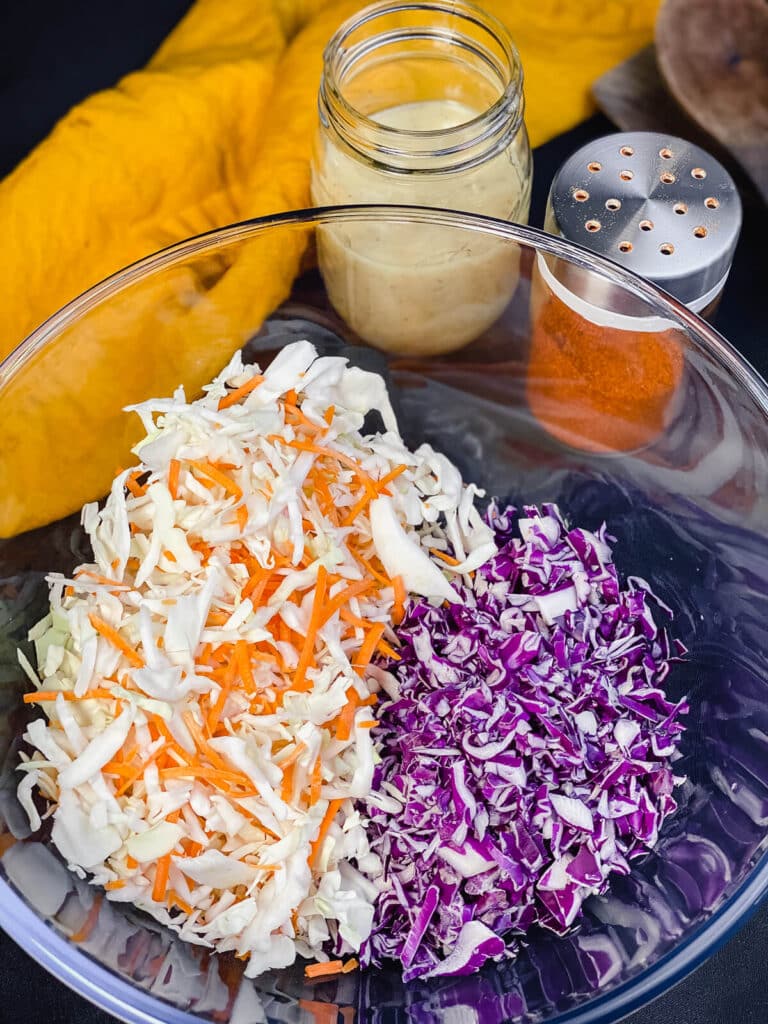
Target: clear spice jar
(420,104)
(604,375)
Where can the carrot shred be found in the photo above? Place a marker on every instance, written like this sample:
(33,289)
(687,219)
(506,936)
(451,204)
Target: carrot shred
(371,642)
(315,622)
(346,460)
(316,783)
(349,966)
(174,900)
(245,389)
(369,723)
(90,921)
(387,649)
(329,413)
(161,878)
(241,514)
(347,716)
(243,657)
(174,468)
(118,883)
(398,609)
(132,483)
(444,556)
(392,475)
(333,809)
(41,696)
(130,863)
(216,475)
(112,636)
(343,597)
(321,970)
(286,791)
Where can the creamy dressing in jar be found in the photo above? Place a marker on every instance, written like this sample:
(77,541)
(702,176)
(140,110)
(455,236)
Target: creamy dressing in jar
(411,288)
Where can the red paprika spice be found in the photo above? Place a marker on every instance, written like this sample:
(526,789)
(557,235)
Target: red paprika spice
(600,388)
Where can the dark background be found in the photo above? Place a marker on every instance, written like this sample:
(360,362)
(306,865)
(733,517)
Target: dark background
(55,52)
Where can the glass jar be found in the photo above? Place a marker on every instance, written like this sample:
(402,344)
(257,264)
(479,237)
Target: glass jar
(421,104)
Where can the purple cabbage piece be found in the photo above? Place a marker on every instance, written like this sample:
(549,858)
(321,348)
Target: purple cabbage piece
(530,747)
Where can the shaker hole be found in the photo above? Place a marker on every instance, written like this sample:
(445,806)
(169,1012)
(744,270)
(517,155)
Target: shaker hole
(667,178)
(700,231)
(581,195)
(666,249)
(594,167)
(711,203)
(698,173)
(613,204)
(625,246)
(680,208)
(646,225)
(626,175)
(593,225)
(627,151)
(665,154)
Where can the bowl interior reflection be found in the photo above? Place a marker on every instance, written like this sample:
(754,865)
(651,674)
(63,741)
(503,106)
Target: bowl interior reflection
(687,508)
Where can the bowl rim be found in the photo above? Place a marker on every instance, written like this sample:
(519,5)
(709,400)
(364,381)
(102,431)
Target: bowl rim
(104,987)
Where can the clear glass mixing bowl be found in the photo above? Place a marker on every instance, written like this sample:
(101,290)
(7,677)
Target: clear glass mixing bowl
(685,497)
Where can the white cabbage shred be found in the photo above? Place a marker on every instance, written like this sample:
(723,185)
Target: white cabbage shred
(193,749)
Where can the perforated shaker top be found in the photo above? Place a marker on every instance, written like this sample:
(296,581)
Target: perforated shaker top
(659,205)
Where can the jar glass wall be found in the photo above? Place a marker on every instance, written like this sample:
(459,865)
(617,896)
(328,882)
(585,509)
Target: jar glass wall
(420,104)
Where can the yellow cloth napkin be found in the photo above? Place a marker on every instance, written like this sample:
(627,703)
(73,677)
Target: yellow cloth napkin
(217,128)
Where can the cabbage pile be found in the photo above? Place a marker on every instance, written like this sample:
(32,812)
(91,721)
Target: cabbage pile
(526,749)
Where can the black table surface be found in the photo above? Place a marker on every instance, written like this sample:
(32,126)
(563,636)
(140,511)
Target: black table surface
(52,54)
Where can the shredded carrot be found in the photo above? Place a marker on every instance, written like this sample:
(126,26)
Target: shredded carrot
(315,622)
(333,809)
(321,970)
(201,743)
(112,636)
(392,475)
(243,657)
(346,460)
(90,922)
(241,514)
(371,642)
(245,389)
(294,755)
(347,715)
(161,878)
(132,483)
(286,791)
(349,966)
(387,649)
(214,474)
(378,576)
(226,686)
(47,695)
(344,597)
(444,556)
(398,609)
(329,413)
(100,579)
(255,588)
(174,900)
(174,468)
(317,782)
(214,775)
(118,883)
(369,723)
(130,863)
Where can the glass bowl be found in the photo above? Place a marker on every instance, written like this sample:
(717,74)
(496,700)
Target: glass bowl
(670,449)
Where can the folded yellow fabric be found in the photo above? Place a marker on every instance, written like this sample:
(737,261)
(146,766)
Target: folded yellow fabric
(217,128)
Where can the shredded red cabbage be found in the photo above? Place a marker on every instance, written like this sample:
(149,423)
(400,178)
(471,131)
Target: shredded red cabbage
(527,754)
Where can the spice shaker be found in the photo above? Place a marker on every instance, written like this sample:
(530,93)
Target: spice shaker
(421,104)
(603,374)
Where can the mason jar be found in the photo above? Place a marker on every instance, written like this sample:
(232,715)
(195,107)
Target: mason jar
(421,104)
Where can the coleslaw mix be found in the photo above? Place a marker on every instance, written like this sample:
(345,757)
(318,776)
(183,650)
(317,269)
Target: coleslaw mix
(213,682)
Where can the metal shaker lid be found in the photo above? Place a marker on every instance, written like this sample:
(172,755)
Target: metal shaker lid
(656,204)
